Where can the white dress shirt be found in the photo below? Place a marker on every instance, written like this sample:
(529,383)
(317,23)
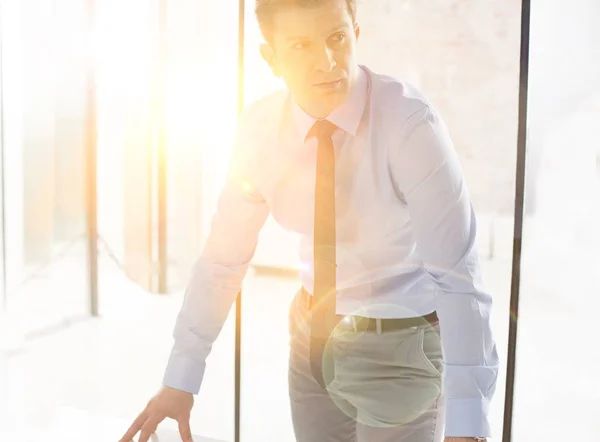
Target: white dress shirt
(405,232)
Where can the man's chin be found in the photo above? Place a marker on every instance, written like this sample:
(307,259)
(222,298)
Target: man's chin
(331,98)
(322,102)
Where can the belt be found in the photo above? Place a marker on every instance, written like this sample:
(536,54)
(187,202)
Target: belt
(379,325)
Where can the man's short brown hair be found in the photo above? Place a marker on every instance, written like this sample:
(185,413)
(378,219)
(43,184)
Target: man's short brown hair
(265,10)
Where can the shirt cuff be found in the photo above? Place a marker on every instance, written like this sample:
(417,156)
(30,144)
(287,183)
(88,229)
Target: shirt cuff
(184,374)
(467,418)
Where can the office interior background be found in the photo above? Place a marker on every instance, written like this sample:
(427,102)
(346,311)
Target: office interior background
(116,125)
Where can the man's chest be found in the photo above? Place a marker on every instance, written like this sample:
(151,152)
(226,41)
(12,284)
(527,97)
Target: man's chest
(364,195)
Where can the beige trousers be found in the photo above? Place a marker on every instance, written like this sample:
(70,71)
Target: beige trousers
(387,387)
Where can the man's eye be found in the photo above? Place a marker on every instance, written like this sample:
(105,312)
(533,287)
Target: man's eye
(338,37)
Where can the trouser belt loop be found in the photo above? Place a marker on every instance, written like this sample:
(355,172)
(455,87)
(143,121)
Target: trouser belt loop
(378,322)
(354,326)
(307,299)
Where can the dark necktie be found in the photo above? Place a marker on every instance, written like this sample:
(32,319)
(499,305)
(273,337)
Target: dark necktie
(323,303)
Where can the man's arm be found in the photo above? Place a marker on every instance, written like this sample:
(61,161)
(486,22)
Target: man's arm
(426,170)
(218,274)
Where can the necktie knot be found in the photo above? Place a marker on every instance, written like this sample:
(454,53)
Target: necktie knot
(322,129)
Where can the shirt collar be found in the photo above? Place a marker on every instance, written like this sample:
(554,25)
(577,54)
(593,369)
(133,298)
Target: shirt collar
(347,116)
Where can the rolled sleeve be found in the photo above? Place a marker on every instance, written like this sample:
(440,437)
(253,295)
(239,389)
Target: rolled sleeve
(427,172)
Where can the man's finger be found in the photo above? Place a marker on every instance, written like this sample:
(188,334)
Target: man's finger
(135,427)
(184,429)
(148,429)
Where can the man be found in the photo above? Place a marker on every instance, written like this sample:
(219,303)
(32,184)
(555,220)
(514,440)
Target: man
(363,168)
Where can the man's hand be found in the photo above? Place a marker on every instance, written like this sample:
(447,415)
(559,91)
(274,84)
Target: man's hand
(168,402)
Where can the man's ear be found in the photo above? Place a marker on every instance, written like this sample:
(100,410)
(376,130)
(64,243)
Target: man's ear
(356,30)
(269,56)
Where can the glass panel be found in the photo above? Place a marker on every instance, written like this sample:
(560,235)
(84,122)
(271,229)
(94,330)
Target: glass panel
(195,111)
(125,77)
(201,115)
(557,382)
(105,370)
(465,59)
(45,247)
(44,100)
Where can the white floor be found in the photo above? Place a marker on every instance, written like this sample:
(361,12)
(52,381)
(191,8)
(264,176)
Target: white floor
(89,380)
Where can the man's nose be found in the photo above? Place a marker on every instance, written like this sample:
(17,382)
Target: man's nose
(326,59)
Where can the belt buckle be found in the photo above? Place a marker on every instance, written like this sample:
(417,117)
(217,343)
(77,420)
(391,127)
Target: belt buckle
(351,322)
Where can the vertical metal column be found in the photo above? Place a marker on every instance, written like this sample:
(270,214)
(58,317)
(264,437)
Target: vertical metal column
(91,196)
(3,286)
(4,372)
(4,381)
(238,305)
(161,151)
(518,223)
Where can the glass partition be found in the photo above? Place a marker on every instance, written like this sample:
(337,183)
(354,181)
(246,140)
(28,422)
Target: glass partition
(167,75)
(465,59)
(200,119)
(557,383)
(44,74)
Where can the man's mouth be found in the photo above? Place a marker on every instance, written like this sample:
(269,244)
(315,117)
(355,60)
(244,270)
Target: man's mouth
(329,84)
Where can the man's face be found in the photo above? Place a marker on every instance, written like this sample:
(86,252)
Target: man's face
(313,49)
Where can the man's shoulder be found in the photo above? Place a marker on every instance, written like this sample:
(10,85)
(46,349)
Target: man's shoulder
(265,112)
(256,125)
(396,98)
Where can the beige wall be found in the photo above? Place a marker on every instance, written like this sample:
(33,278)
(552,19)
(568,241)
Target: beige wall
(464,55)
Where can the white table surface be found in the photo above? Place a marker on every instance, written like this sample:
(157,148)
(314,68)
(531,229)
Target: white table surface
(73,425)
